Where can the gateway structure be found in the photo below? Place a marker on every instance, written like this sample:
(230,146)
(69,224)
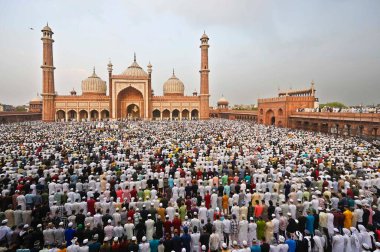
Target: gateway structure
(130,94)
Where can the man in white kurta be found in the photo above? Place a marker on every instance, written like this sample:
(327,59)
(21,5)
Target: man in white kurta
(149,223)
(243,230)
(337,241)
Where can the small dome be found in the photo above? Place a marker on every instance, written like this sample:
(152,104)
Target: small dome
(204,36)
(37,99)
(46,28)
(173,86)
(135,70)
(223,101)
(94,85)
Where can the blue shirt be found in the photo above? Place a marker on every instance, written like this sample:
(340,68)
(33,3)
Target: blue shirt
(291,244)
(153,244)
(310,223)
(186,240)
(255,248)
(69,235)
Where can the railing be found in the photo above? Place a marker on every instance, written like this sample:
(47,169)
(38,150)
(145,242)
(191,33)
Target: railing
(342,116)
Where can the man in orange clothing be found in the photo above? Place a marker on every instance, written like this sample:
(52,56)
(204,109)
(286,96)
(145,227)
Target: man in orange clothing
(347,217)
(258,209)
(225,203)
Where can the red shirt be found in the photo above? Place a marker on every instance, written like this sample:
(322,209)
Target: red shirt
(133,193)
(207,200)
(177,223)
(91,206)
(167,226)
(119,194)
(130,214)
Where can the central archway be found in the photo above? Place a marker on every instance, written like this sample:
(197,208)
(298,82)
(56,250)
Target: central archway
(133,111)
(270,119)
(127,100)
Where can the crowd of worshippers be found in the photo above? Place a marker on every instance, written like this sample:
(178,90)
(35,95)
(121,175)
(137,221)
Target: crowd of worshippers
(216,185)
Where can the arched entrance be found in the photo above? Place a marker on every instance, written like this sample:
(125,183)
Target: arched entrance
(94,115)
(61,116)
(72,115)
(130,103)
(83,115)
(105,114)
(156,114)
(194,114)
(133,111)
(166,114)
(185,114)
(175,114)
(270,119)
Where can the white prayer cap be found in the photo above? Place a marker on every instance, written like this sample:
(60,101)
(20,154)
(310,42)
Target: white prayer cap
(115,239)
(133,238)
(85,241)
(70,224)
(281,238)
(144,238)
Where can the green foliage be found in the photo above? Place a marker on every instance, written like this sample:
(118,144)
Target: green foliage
(21,109)
(333,105)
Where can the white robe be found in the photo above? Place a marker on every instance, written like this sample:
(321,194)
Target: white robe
(347,243)
(252,232)
(355,243)
(243,231)
(149,229)
(318,244)
(337,243)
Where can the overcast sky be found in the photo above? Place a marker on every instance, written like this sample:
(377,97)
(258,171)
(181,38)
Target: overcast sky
(256,47)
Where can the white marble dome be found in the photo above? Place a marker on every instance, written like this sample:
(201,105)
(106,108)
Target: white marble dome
(174,86)
(135,70)
(94,85)
(37,99)
(223,101)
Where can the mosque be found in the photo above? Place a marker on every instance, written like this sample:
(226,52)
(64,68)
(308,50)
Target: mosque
(130,94)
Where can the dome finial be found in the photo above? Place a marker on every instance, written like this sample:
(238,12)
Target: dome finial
(134,57)
(173,72)
(93,71)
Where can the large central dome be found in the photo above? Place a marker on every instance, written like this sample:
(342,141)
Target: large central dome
(134,70)
(174,86)
(94,85)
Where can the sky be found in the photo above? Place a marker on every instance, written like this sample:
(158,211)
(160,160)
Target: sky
(256,47)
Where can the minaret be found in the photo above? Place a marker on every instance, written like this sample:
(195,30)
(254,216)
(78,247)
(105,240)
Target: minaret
(48,91)
(204,89)
(109,68)
(150,94)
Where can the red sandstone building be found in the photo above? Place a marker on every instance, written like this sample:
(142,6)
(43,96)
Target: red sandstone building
(130,93)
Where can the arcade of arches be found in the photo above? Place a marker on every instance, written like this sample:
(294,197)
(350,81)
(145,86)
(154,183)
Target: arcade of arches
(81,115)
(175,114)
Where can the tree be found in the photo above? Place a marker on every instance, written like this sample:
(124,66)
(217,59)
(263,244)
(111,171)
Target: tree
(21,108)
(333,105)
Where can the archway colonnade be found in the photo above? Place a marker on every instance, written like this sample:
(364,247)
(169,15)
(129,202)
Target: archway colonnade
(81,115)
(338,128)
(175,114)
